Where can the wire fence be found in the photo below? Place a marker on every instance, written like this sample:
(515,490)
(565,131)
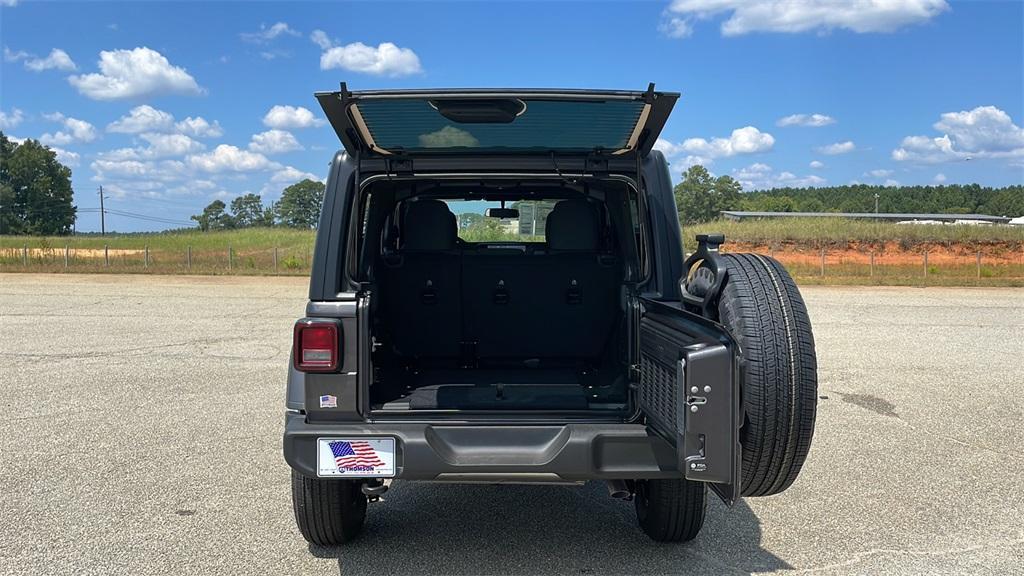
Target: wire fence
(954,265)
(146,259)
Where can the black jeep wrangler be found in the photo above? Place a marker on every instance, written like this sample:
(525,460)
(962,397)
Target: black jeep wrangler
(499,294)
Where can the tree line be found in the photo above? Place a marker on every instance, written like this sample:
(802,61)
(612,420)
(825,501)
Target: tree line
(35,190)
(700,197)
(299,207)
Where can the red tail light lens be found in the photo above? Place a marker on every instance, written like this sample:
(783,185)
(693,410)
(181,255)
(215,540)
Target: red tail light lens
(316,346)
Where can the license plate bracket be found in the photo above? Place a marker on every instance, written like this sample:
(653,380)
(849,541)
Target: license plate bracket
(355,457)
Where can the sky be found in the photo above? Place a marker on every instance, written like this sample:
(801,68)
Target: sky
(170,106)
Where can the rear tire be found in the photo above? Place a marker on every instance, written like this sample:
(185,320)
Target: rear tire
(670,510)
(763,310)
(327,512)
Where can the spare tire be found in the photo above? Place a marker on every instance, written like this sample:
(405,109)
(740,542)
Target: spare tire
(763,311)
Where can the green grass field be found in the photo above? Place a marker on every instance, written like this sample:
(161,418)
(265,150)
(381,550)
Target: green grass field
(818,232)
(962,255)
(252,251)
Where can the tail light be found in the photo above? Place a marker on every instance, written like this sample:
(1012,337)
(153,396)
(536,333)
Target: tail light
(316,346)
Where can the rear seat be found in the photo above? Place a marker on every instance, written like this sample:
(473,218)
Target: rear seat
(421,291)
(558,304)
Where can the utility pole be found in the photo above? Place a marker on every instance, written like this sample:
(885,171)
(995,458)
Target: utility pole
(876,202)
(102,220)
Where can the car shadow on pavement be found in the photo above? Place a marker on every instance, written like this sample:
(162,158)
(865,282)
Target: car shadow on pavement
(424,528)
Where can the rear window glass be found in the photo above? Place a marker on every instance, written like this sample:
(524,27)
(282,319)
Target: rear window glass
(476,226)
(536,124)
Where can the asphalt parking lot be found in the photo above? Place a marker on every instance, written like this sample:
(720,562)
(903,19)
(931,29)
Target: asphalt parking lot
(142,419)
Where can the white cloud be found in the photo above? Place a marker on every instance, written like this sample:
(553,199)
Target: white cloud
(891,183)
(807,120)
(939,178)
(227,158)
(56,60)
(12,119)
(162,171)
(199,127)
(879,173)
(137,73)
(266,34)
(290,175)
(676,27)
(9,3)
(447,137)
(984,132)
(159,146)
(12,56)
(816,164)
(838,148)
(66,157)
(320,38)
(793,16)
(761,176)
(746,140)
(283,117)
(75,130)
(170,145)
(672,151)
(274,142)
(145,118)
(142,118)
(386,59)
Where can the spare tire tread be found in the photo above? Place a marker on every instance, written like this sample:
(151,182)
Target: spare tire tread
(764,311)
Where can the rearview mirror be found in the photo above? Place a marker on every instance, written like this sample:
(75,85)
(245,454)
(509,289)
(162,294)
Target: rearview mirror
(503,213)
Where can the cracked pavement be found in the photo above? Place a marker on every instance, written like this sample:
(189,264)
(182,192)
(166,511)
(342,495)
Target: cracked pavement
(142,422)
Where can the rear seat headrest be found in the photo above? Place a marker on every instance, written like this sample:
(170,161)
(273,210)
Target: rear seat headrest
(429,225)
(573,225)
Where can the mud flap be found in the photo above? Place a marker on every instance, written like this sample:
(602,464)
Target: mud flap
(689,393)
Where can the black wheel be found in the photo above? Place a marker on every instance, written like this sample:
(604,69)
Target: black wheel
(328,512)
(670,510)
(763,310)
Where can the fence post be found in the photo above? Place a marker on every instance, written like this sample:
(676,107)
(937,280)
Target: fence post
(275,259)
(145,260)
(771,251)
(926,264)
(977,258)
(822,261)
(66,256)
(106,256)
(872,264)
(24,255)
(229,256)
(188,257)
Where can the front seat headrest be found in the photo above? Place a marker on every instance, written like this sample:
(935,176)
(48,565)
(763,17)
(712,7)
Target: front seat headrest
(429,225)
(573,225)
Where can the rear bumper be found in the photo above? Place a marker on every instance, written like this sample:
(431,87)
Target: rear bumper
(499,453)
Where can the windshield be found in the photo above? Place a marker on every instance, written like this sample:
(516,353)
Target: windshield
(528,225)
(509,124)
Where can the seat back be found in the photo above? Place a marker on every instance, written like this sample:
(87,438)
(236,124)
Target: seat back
(421,284)
(560,303)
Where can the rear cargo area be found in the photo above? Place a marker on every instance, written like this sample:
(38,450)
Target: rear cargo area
(535,326)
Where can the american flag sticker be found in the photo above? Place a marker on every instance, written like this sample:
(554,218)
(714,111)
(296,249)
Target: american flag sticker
(328,401)
(356,457)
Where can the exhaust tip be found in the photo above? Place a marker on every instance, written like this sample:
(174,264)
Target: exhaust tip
(619,489)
